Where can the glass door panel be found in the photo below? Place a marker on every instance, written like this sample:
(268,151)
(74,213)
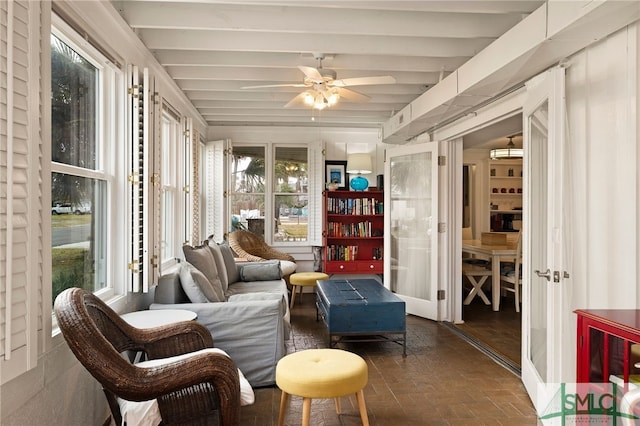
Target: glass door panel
(411,227)
(538,134)
(543,120)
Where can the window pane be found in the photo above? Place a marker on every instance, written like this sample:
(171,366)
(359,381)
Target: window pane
(73,107)
(168,240)
(291,170)
(247,170)
(291,215)
(78,233)
(290,194)
(247,212)
(171,141)
(248,186)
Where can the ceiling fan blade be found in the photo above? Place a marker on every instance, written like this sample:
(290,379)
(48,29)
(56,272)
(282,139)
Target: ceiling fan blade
(363,81)
(275,85)
(311,73)
(352,95)
(298,99)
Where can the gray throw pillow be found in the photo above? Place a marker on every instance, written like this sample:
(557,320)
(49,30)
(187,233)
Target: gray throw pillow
(229,260)
(192,281)
(202,258)
(220,265)
(260,271)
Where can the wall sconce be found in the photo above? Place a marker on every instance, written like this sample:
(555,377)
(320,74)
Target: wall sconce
(359,164)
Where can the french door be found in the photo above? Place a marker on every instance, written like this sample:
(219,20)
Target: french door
(411,227)
(543,274)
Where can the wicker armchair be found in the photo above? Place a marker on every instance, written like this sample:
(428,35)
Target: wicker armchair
(253,248)
(201,389)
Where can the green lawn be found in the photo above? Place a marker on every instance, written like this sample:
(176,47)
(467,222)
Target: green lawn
(64,220)
(70,266)
(294,230)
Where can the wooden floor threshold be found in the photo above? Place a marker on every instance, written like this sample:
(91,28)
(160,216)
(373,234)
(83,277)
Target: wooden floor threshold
(487,350)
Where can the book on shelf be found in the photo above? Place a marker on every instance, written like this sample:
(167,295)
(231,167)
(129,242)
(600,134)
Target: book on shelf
(355,206)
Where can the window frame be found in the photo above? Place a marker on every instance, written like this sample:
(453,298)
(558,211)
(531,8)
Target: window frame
(172,182)
(273,194)
(109,100)
(231,184)
(269,191)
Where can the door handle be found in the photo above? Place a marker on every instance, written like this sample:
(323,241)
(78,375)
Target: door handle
(546,274)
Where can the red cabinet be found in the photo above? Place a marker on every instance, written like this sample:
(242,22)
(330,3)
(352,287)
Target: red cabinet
(607,345)
(353,232)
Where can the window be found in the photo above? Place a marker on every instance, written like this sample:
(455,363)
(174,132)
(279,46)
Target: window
(247,199)
(82,95)
(290,197)
(171,140)
(286,194)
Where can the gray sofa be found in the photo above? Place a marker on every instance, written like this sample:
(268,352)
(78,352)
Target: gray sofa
(250,324)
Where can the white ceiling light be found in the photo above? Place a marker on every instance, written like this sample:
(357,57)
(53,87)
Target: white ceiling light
(320,97)
(510,152)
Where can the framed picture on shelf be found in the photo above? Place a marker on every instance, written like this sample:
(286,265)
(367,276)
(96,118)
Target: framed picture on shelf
(336,176)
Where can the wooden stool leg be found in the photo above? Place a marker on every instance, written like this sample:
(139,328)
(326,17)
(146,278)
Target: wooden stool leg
(293,296)
(306,411)
(300,296)
(338,407)
(283,407)
(363,408)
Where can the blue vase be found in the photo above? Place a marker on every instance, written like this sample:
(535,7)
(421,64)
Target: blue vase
(359,183)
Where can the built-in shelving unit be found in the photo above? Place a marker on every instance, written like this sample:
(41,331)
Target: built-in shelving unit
(505,195)
(353,232)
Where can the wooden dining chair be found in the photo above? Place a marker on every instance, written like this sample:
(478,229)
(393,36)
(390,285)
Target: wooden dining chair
(511,273)
(477,271)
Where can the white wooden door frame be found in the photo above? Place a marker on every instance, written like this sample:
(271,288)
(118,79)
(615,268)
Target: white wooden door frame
(548,86)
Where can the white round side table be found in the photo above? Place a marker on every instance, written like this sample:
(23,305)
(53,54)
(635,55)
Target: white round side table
(158,318)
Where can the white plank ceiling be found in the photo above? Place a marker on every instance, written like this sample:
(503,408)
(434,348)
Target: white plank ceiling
(212,49)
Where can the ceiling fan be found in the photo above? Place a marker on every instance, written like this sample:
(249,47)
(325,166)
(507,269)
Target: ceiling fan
(323,89)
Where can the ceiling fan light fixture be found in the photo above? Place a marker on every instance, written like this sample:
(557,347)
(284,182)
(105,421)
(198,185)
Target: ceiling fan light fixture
(333,98)
(320,102)
(309,99)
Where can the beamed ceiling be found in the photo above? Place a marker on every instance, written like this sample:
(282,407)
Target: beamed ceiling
(212,49)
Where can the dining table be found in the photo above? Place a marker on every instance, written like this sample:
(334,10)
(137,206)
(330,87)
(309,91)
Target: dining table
(495,253)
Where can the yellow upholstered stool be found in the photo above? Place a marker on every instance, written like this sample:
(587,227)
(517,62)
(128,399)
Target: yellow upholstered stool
(304,279)
(321,373)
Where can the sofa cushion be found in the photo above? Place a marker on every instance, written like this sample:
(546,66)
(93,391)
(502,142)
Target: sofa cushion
(197,287)
(242,287)
(232,270)
(202,258)
(287,267)
(191,279)
(169,290)
(220,265)
(260,271)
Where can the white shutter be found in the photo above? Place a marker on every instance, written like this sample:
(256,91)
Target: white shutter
(142,180)
(315,188)
(187,168)
(215,194)
(151,196)
(21,185)
(193,206)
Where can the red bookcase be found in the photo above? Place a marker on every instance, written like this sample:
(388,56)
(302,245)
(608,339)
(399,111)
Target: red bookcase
(353,232)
